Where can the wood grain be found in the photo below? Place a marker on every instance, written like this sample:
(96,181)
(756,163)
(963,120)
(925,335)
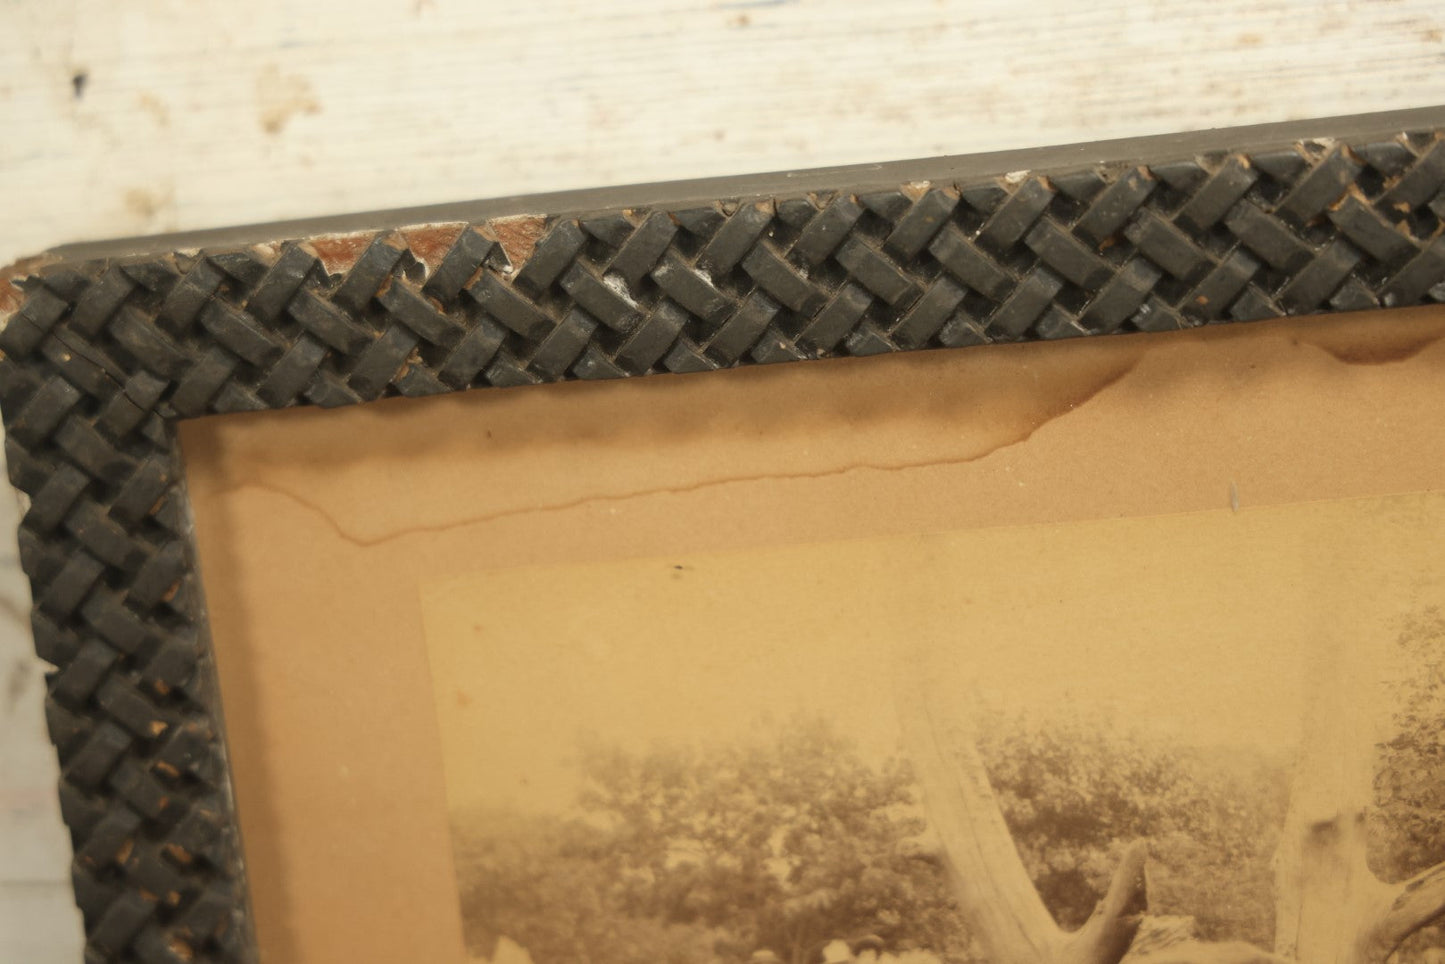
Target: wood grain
(160,115)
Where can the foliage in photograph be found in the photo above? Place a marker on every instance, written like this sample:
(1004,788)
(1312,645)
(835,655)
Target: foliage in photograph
(791,841)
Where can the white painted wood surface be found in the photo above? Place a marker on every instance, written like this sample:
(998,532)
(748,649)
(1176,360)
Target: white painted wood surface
(159,115)
(195,113)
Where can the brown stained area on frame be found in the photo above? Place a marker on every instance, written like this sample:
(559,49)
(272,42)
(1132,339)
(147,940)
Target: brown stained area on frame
(429,243)
(10,295)
(339,252)
(518,236)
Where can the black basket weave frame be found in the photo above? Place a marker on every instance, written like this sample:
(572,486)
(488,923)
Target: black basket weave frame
(105,346)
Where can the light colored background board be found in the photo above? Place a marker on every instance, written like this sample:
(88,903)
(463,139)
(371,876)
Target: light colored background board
(165,115)
(197,114)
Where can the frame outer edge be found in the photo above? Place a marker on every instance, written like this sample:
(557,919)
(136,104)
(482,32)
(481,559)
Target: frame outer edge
(105,345)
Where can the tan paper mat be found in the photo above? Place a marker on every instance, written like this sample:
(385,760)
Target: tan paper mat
(317,528)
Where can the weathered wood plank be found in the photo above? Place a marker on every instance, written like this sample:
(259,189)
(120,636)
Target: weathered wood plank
(156,116)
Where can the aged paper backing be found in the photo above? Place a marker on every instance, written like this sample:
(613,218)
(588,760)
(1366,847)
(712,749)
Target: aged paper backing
(321,531)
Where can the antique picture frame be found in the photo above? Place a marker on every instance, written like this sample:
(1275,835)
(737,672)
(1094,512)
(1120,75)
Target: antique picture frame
(108,345)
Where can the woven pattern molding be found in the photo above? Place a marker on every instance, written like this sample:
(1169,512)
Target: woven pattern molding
(102,355)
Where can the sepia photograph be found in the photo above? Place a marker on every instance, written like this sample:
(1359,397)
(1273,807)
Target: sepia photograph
(1211,737)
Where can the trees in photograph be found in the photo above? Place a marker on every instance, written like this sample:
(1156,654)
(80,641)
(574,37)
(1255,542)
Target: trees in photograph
(681,855)
(1025,842)
(1075,793)
(1330,906)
